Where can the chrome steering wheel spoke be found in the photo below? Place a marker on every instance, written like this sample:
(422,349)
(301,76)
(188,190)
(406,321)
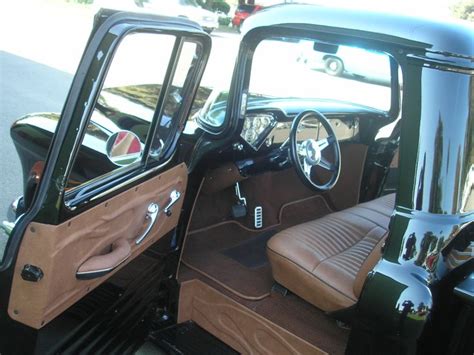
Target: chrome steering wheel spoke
(323,163)
(307,168)
(323,143)
(301,148)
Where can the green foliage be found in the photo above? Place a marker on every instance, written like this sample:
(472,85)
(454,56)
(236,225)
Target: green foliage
(224,21)
(220,5)
(201,3)
(464,9)
(214,5)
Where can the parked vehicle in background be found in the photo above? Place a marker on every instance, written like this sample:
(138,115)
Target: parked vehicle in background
(189,9)
(346,60)
(242,12)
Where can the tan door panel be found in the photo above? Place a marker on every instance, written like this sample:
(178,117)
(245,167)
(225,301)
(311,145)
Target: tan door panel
(59,250)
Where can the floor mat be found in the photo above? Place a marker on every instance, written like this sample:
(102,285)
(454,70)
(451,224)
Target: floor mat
(235,256)
(251,253)
(206,251)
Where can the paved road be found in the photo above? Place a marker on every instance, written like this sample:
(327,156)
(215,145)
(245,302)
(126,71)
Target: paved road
(25,87)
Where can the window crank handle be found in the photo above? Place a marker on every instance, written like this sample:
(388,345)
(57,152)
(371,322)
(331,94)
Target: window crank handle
(174,197)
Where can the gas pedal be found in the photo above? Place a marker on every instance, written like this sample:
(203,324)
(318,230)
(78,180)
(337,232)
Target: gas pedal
(258,217)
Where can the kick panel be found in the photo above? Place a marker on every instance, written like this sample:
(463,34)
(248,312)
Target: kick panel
(94,238)
(239,327)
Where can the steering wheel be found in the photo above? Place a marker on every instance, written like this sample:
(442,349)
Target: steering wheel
(306,154)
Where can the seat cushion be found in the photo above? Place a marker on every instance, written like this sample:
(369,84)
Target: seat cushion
(326,261)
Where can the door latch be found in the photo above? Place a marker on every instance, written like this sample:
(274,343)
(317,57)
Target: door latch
(151,214)
(31,273)
(174,197)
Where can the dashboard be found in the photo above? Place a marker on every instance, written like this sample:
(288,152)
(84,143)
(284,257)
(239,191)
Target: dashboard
(265,128)
(268,120)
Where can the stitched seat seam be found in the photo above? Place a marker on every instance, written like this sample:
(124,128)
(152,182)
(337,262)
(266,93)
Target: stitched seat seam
(312,275)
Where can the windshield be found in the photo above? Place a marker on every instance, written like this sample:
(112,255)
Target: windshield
(312,70)
(289,69)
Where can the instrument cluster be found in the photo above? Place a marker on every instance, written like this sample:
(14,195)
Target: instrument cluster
(256,128)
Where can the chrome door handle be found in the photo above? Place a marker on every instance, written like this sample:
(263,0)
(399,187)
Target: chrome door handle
(151,215)
(174,197)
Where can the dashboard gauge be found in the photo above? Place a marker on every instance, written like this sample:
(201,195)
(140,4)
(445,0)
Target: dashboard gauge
(256,129)
(247,124)
(251,136)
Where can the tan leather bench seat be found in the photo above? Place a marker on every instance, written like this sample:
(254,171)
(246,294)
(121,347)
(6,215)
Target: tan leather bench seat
(326,261)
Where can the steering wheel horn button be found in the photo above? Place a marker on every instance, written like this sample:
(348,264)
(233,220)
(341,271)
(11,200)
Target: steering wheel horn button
(313,152)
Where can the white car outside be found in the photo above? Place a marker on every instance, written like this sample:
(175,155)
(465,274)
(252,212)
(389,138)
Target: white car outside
(370,65)
(189,9)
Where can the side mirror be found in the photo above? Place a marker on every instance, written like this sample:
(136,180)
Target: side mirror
(124,148)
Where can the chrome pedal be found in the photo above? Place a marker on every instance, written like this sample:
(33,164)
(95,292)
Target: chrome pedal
(242,200)
(239,210)
(258,217)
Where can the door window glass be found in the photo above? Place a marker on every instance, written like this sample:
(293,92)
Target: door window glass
(128,102)
(174,98)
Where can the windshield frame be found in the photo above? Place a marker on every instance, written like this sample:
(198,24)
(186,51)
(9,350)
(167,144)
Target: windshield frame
(239,88)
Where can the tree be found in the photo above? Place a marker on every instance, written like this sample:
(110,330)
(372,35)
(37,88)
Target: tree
(221,5)
(214,5)
(463,9)
(206,4)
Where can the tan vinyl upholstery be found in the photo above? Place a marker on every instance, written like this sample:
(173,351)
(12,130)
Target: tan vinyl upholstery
(326,261)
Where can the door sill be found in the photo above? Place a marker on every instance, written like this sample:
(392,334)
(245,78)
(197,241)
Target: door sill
(189,338)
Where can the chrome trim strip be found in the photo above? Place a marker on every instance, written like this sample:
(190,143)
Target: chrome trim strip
(133,179)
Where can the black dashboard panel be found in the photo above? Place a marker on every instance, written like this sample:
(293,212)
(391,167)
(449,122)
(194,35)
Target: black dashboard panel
(268,120)
(266,129)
